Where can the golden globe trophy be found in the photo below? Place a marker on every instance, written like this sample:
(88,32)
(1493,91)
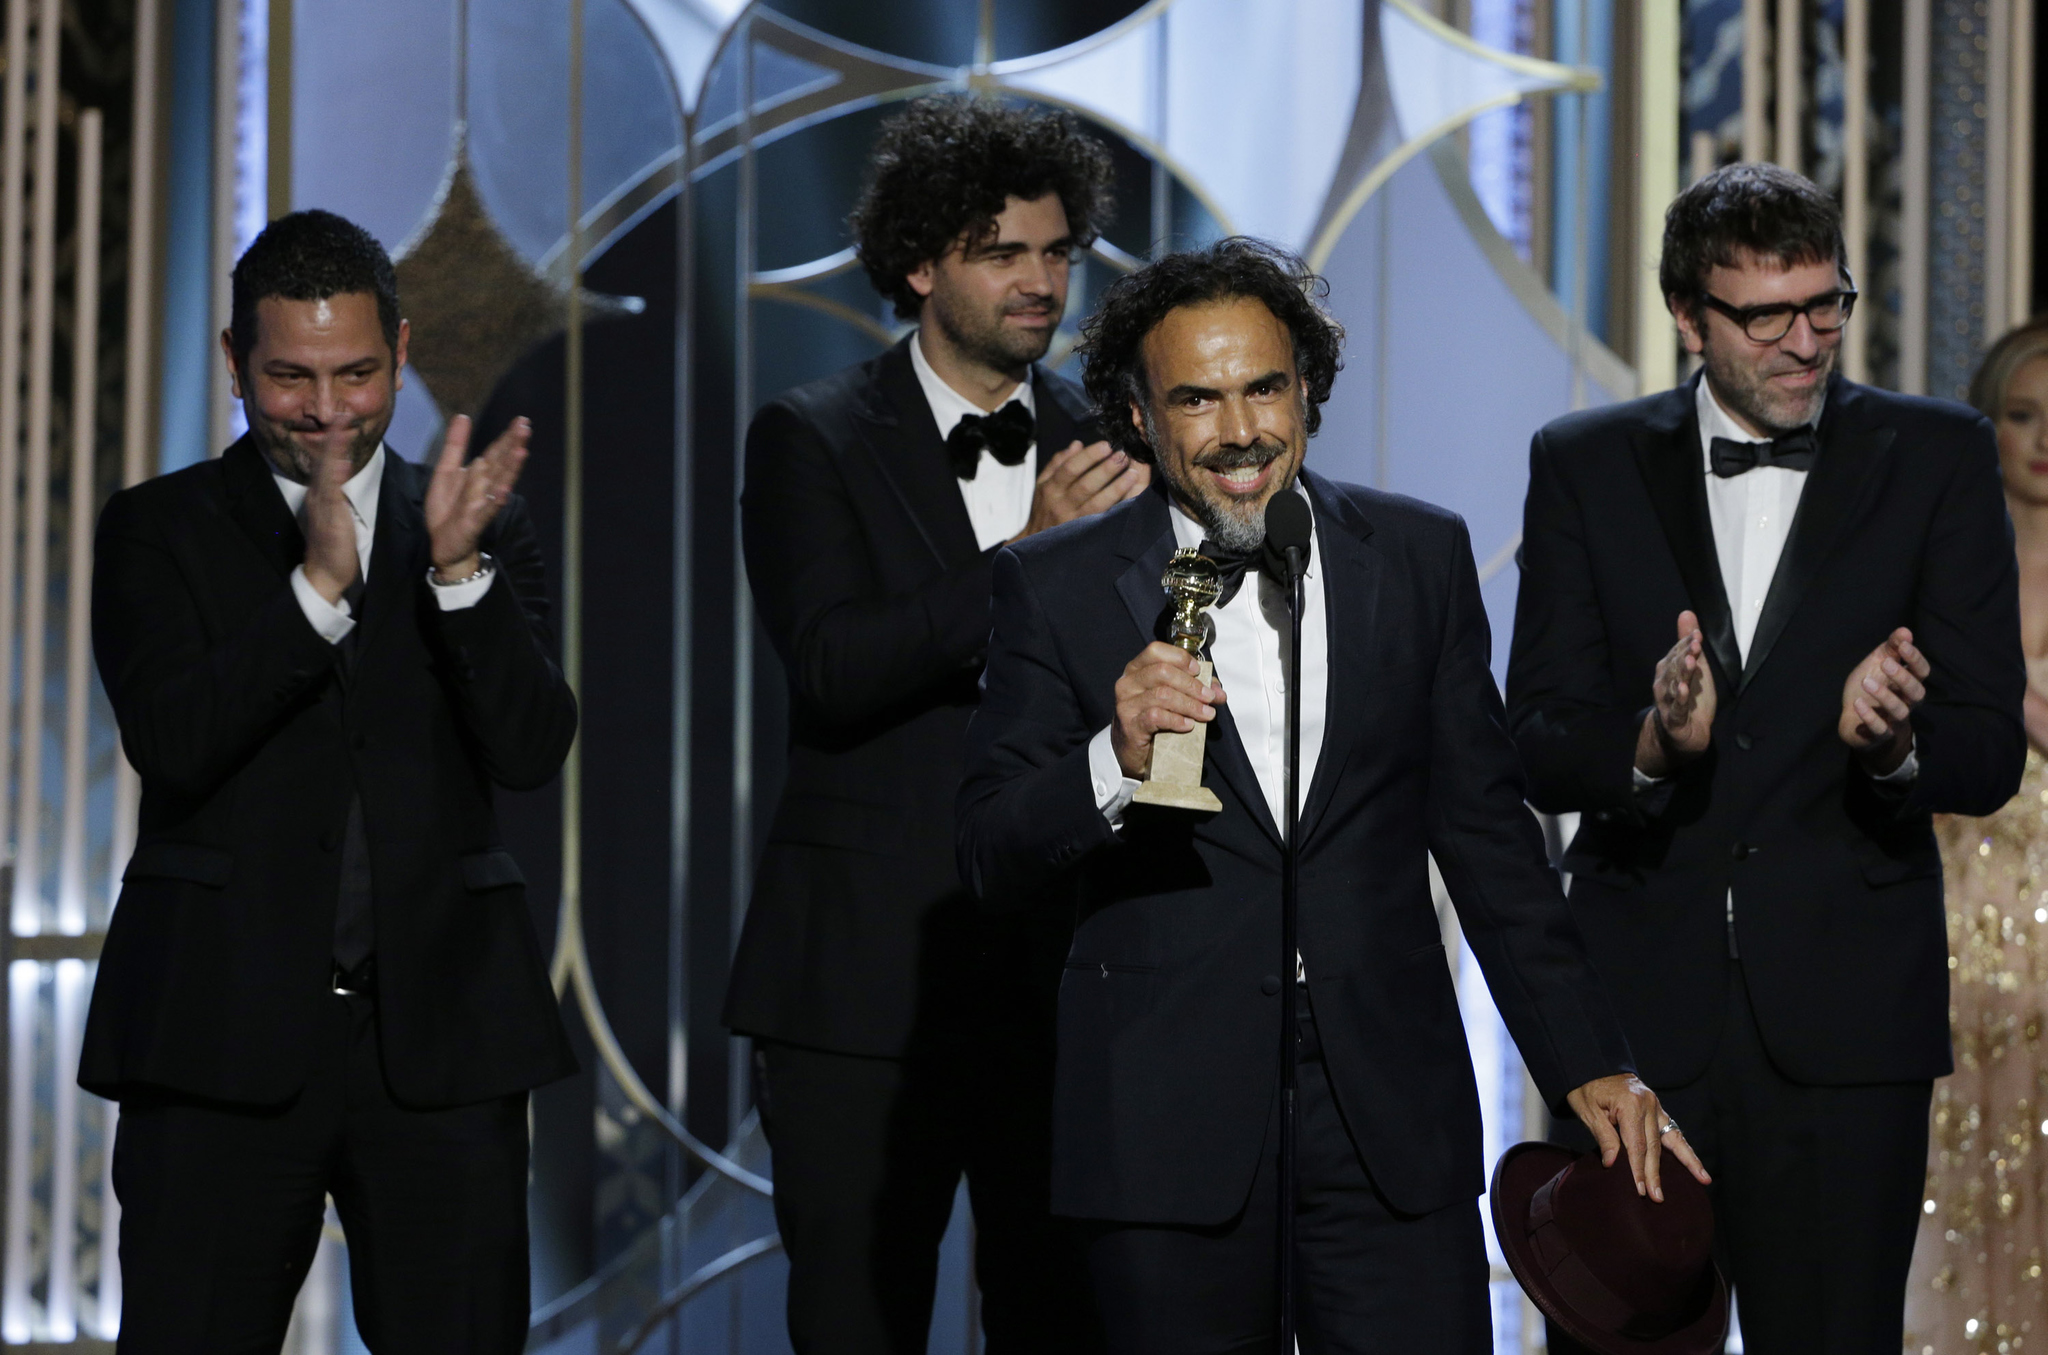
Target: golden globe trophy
(1175,781)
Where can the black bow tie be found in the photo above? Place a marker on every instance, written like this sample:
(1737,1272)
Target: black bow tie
(1007,433)
(1794,451)
(1232,566)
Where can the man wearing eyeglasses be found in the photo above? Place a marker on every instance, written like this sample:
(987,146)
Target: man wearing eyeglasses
(1768,625)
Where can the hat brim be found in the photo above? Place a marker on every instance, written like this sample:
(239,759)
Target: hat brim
(1522,1172)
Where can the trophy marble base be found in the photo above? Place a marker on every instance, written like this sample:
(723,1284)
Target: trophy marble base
(1176,778)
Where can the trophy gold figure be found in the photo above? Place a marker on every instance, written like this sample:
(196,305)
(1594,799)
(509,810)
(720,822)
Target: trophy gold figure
(1175,781)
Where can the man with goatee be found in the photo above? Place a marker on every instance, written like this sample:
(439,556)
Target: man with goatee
(1213,367)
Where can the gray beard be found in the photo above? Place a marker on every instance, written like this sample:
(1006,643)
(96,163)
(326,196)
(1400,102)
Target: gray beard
(1751,399)
(1231,531)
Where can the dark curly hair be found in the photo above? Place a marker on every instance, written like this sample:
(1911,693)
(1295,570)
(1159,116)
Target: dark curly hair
(1745,209)
(1113,338)
(310,256)
(945,167)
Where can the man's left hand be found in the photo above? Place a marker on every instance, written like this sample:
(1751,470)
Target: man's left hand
(463,499)
(1625,1114)
(1878,702)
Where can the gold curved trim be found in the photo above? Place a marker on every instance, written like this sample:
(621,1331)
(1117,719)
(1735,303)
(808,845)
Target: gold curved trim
(1500,559)
(1319,252)
(571,968)
(1613,372)
(838,310)
(816,270)
(1577,79)
(715,1269)
(1081,47)
(1139,141)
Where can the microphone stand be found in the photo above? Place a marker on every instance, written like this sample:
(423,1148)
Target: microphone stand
(1290,948)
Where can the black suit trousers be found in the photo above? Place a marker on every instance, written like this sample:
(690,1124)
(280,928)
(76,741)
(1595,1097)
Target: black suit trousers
(868,1155)
(1369,1279)
(1816,1194)
(221,1209)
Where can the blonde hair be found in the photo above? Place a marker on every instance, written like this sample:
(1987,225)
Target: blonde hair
(2013,351)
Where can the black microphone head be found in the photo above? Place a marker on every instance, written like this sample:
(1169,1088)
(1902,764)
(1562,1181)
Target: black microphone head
(1287,522)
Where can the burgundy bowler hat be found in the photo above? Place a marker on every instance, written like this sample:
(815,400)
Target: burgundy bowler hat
(1622,1273)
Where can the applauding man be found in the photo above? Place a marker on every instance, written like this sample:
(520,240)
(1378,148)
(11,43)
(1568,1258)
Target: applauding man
(1768,625)
(902,1040)
(321,977)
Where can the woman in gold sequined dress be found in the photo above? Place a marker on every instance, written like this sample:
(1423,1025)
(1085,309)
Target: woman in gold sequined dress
(1978,1281)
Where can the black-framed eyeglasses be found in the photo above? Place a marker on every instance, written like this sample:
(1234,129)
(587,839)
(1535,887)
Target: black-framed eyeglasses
(1827,313)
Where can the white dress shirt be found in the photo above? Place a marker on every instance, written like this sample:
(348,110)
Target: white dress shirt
(1752,515)
(1250,651)
(334,620)
(998,498)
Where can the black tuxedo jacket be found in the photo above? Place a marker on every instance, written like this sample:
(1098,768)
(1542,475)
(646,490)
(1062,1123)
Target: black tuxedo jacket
(1837,884)
(871,588)
(1169,1014)
(251,734)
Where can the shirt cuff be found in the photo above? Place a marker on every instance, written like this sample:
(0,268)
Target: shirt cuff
(332,621)
(1645,781)
(1902,775)
(454,597)
(1113,790)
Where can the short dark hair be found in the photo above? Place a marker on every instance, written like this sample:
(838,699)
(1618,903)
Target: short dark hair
(309,256)
(945,167)
(1755,210)
(1113,338)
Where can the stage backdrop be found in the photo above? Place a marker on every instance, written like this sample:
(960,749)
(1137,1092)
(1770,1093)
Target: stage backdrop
(625,220)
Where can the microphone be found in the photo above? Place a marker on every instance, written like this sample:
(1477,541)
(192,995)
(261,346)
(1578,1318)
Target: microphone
(1287,539)
(1287,529)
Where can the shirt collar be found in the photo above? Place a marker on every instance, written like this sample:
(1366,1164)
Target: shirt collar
(1716,422)
(361,489)
(950,406)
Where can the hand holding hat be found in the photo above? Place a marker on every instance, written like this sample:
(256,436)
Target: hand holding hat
(1621,1272)
(1623,1114)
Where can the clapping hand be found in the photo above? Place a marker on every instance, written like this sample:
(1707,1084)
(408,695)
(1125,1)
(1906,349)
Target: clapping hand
(1878,702)
(463,499)
(1681,722)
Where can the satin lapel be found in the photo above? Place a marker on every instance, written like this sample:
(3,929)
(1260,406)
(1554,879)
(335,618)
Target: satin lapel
(1062,412)
(398,551)
(1852,455)
(259,510)
(1668,453)
(903,439)
(1351,588)
(1148,544)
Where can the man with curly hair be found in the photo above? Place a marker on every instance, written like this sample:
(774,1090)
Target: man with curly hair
(900,1038)
(1212,365)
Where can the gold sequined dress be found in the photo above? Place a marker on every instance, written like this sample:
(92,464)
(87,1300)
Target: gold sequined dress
(1977,1284)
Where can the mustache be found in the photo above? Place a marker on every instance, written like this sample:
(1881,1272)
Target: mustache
(1235,458)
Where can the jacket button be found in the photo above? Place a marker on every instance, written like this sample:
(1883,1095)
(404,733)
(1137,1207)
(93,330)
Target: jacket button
(1739,851)
(329,840)
(1270,984)
(1744,742)
(361,741)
